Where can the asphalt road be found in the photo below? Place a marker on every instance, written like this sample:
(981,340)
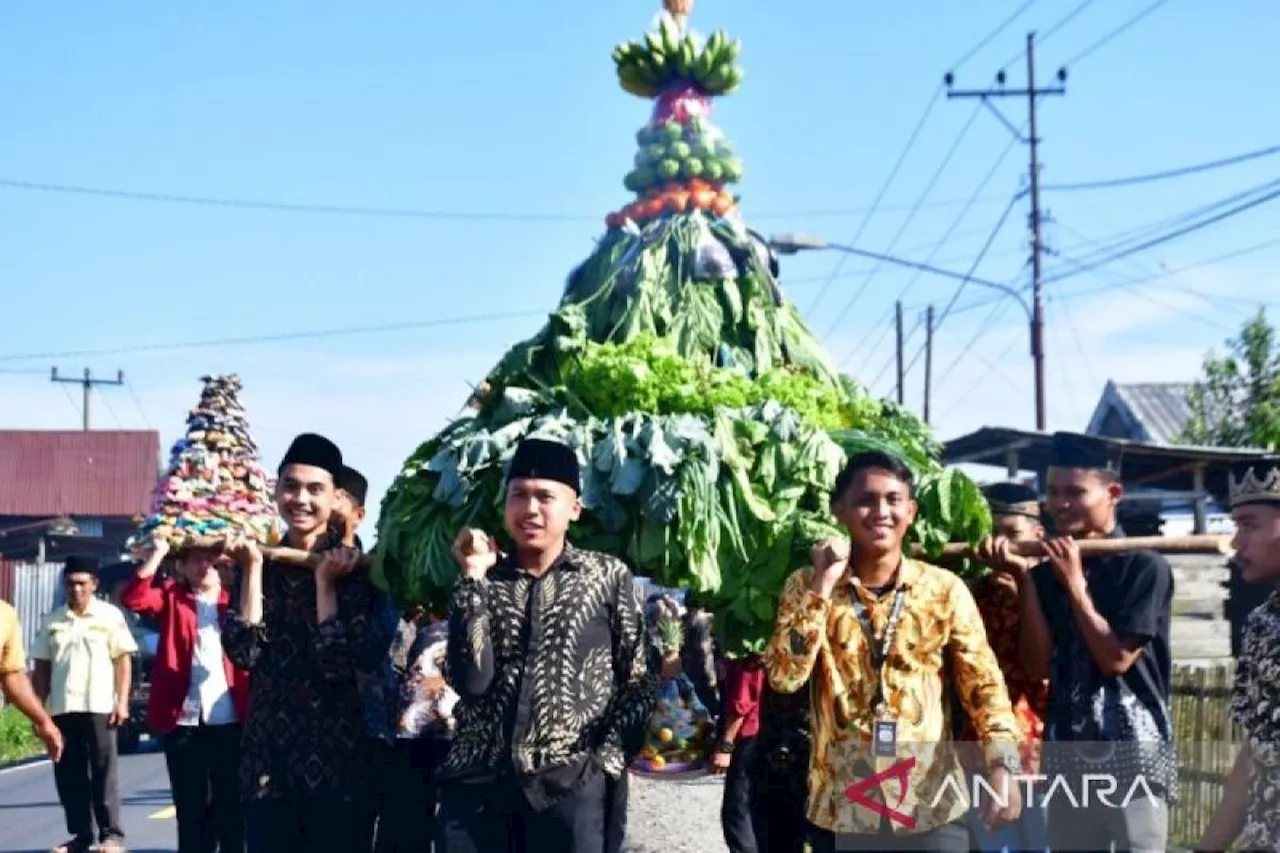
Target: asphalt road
(31,818)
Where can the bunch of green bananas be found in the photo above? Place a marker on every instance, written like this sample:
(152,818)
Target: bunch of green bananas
(647,67)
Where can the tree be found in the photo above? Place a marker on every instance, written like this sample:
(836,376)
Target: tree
(1236,403)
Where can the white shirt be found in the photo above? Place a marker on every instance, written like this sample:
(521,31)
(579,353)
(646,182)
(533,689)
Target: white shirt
(209,696)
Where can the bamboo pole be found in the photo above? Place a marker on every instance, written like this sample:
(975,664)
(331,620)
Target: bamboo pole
(1198,544)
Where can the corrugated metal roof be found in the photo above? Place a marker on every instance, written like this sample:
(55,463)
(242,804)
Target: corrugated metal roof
(47,473)
(1160,407)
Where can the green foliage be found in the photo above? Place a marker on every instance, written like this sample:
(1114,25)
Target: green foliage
(1236,403)
(17,740)
(647,374)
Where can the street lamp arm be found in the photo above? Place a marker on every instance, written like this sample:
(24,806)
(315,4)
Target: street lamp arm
(788,244)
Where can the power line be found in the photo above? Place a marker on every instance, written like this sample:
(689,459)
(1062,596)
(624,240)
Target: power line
(1236,253)
(1171,173)
(884,188)
(1116,32)
(1181,232)
(286,336)
(929,187)
(1108,245)
(1062,22)
(902,156)
(345,210)
(991,173)
(1000,28)
(978,260)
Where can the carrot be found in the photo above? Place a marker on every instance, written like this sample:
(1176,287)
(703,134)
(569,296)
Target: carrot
(722,204)
(678,202)
(613,220)
(704,199)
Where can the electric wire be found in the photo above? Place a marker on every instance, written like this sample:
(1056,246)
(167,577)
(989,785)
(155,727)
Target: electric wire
(1165,175)
(1088,51)
(906,222)
(272,338)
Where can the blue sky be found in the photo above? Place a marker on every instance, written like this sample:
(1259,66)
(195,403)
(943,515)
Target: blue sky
(514,109)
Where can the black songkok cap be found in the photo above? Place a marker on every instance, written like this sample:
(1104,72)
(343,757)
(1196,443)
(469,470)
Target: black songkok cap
(316,451)
(1012,499)
(80,564)
(539,459)
(1255,482)
(353,483)
(1071,450)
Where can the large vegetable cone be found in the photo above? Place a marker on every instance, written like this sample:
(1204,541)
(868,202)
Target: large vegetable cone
(215,486)
(709,421)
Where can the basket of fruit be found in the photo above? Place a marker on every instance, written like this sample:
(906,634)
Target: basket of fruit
(681,731)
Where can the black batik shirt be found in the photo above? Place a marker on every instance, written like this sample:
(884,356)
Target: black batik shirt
(303,735)
(1119,726)
(1255,706)
(551,674)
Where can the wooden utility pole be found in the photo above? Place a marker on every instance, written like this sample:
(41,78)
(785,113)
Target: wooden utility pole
(86,383)
(928,358)
(1031,93)
(901,389)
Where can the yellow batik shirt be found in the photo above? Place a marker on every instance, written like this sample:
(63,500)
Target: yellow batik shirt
(939,649)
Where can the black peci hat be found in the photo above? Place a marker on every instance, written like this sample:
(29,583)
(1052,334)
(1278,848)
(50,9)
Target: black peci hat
(315,451)
(540,459)
(1072,450)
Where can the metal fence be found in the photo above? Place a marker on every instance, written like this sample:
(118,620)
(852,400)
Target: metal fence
(33,589)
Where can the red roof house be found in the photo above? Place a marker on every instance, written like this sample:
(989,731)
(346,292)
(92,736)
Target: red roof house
(96,480)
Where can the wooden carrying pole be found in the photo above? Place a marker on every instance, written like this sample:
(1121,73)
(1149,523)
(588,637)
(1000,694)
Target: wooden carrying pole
(1201,544)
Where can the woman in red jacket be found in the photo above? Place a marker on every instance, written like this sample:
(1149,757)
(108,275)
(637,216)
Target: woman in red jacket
(198,699)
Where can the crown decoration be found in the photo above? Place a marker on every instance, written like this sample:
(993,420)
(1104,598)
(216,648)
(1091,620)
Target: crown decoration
(1250,488)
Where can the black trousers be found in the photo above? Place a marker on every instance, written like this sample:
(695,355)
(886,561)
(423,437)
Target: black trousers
(315,825)
(779,792)
(735,808)
(493,817)
(407,794)
(949,838)
(615,817)
(86,777)
(203,764)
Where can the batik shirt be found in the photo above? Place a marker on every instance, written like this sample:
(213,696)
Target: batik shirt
(426,702)
(939,644)
(1255,706)
(551,671)
(304,734)
(997,597)
(1102,725)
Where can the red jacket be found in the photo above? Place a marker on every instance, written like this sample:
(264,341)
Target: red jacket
(744,685)
(174,606)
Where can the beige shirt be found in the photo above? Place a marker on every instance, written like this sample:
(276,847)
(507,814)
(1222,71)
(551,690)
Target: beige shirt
(81,651)
(12,658)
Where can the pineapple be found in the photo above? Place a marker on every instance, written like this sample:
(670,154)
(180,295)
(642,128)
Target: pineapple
(670,637)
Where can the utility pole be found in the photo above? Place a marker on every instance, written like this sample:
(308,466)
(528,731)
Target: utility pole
(928,358)
(901,389)
(1032,94)
(86,383)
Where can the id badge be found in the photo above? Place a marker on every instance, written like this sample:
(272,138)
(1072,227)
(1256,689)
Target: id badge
(885,739)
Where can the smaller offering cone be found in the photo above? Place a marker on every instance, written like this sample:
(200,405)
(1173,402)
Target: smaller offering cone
(215,486)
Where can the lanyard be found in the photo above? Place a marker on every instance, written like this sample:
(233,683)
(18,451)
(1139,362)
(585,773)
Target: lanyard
(880,653)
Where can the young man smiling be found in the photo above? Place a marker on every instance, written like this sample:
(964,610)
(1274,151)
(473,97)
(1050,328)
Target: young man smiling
(1098,628)
(1250,810)
(546,652)
(895,636)
(303,634)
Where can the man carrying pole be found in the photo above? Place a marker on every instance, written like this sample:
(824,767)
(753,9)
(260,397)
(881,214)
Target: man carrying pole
(546,651)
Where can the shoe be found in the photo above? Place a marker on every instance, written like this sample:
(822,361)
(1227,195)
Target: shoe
(75,845)
(111,845)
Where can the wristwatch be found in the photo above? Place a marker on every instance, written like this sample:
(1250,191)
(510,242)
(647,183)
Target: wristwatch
(725,747)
